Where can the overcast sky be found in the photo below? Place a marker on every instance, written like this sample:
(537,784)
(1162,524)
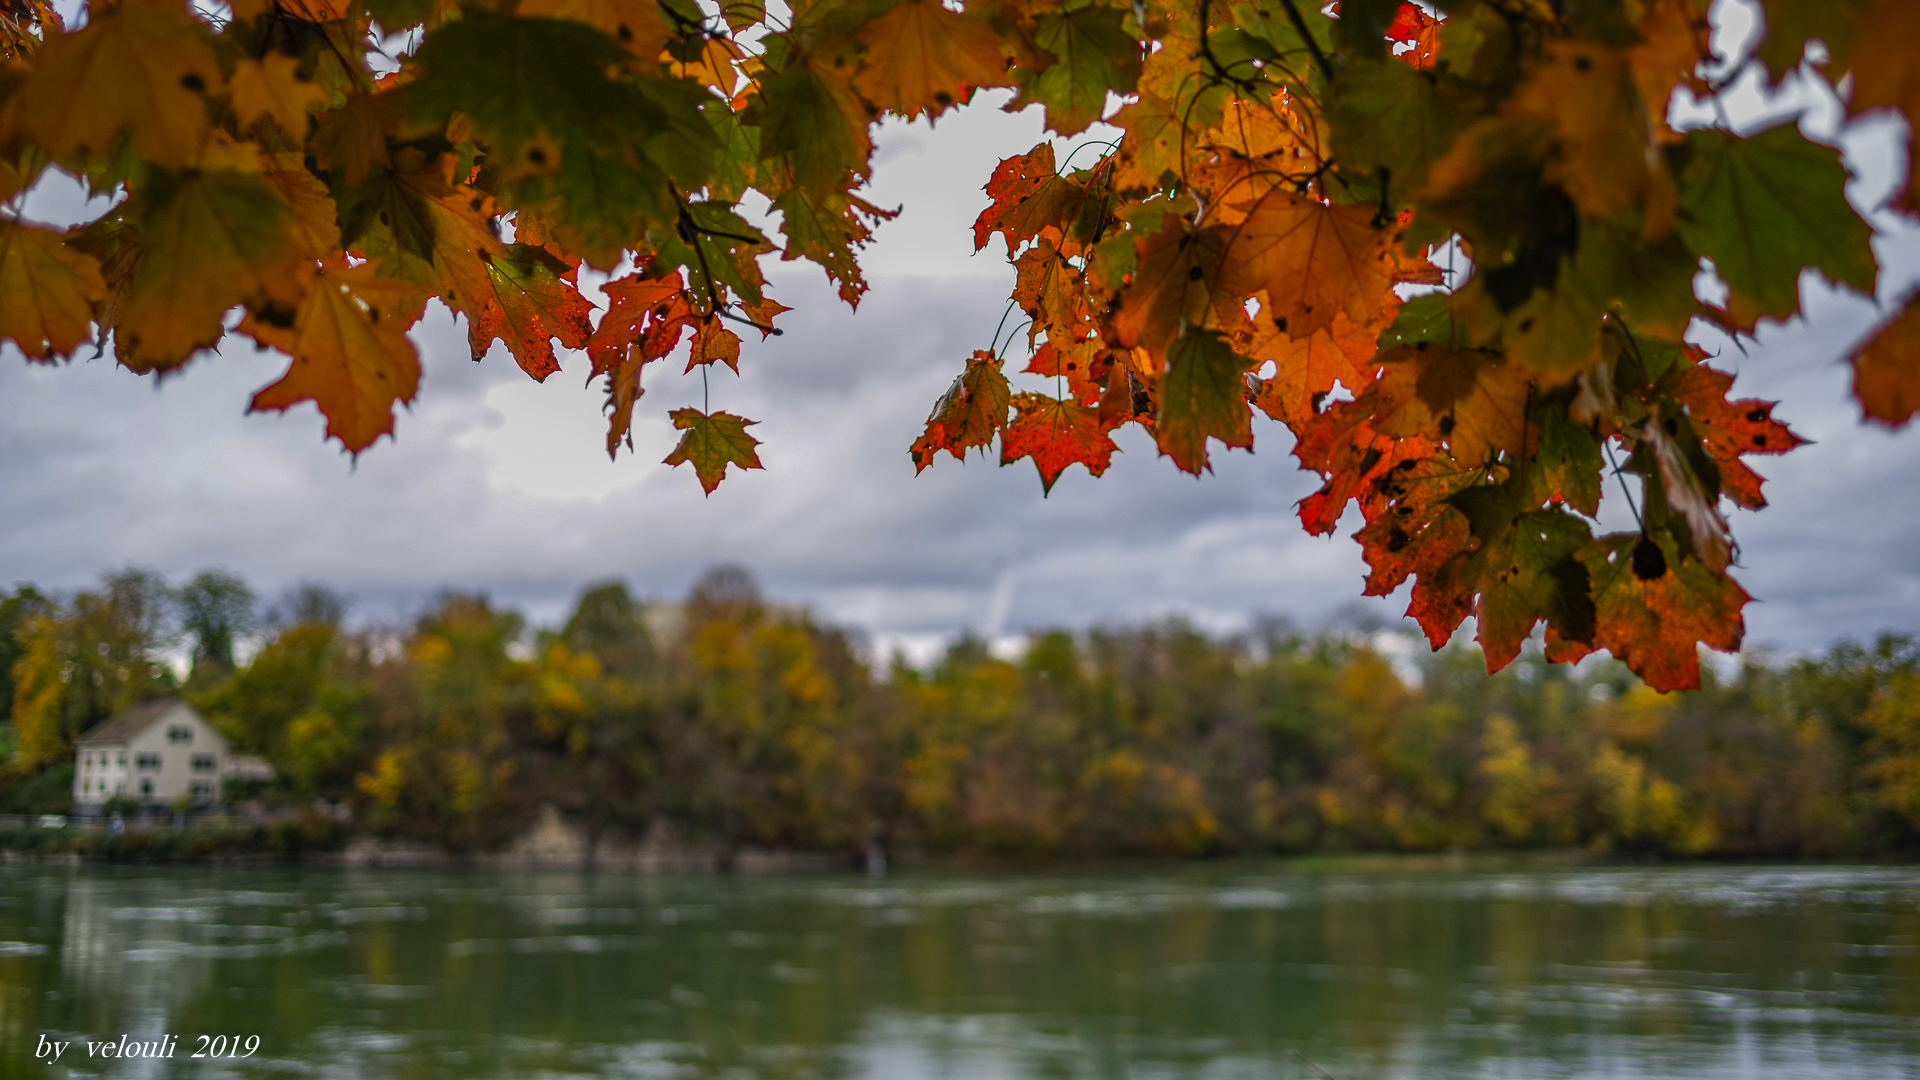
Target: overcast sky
(498,484)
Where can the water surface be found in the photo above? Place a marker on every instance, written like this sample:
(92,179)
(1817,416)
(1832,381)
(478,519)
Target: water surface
(1217,972)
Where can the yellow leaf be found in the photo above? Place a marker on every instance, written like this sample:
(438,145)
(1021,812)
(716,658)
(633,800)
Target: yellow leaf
(212,240)
(351,356)
(716,66)
(921,56)
(269,87)
(636,23)
(47,290)
(146,70)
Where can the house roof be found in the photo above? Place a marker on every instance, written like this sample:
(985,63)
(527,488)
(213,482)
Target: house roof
(131,722)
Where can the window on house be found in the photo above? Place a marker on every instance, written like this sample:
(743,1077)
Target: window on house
(203,763)
(146,761)
(202,789)
(123,759)
(146,787)
(179,733)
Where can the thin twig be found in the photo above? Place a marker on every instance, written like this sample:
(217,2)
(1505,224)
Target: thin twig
(1319,57)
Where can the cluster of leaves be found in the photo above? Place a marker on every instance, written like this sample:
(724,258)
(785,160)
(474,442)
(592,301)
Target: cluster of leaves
(1282,176)
(1286,177)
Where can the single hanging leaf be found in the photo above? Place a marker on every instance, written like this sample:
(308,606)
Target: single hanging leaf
(1313,260)
(212,240)
(1764,207)
(531,302)
(47,291)
(1093,56)
(623,392)
(712,442)
(144,68)
(1886,369)
(1055,434)
(1730,429)
(351,356)
(1654,609)
(922,57)
(1203,395)
(714,343)
(269,87)
(969,414)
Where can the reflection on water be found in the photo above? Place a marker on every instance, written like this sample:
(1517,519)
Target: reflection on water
(1218,973)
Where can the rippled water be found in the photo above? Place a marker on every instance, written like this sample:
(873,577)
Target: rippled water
(1217,972)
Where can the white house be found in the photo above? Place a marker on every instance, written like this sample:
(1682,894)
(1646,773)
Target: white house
(151,755)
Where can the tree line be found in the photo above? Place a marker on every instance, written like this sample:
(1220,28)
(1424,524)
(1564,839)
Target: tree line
(740,722)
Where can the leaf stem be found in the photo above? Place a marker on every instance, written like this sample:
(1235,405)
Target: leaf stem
(1620,475)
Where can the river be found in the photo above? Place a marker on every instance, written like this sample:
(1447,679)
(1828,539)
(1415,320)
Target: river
(1212,972)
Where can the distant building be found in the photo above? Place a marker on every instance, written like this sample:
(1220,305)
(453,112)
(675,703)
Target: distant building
(151,755)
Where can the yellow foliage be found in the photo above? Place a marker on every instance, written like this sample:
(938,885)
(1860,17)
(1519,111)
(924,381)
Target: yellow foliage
(38,691)
(388,780)
(1644,809)
(1514,783)
(1894,720)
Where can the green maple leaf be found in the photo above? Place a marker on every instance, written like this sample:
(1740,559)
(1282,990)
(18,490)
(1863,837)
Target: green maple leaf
(1389,115)
(712,442)
(1203,395)
(1093,56)
(1763,208)
(808,113)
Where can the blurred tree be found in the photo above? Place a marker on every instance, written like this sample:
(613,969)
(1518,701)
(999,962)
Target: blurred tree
(315,605)
(216,610)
